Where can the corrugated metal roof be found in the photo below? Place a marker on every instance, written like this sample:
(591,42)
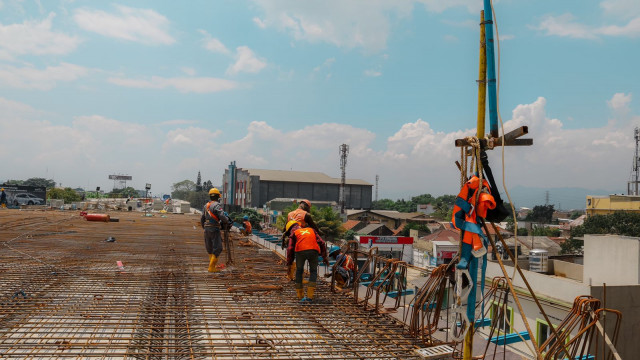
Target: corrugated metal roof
(301,176)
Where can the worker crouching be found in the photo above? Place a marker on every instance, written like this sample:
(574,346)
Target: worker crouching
(305,245)
(344,267)
(213,220)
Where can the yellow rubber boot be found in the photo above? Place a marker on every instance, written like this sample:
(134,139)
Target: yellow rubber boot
(300,293)
(311,290)
(291,274)
(212,264)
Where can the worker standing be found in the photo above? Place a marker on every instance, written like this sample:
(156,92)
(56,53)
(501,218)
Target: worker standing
(305,245)
(247,225)
(213,220)
(303,217)
(3,198)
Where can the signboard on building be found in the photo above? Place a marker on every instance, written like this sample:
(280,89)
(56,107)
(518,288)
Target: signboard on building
(386,240)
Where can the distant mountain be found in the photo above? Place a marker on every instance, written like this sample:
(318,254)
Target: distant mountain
(563,198)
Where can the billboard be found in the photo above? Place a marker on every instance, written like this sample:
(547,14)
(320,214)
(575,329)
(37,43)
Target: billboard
(25,195)
(120,177)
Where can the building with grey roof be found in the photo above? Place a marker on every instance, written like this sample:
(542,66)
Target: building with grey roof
(255,187)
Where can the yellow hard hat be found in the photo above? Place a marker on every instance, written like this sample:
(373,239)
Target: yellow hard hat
(214,191)
(290,224)
(2,189)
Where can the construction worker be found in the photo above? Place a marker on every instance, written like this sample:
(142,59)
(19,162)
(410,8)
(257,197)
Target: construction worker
(3,198)
(344,266)
(213,220)
(246,230)
(303,217)
(305,245)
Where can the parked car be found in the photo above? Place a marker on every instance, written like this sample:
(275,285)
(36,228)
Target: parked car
(27,199)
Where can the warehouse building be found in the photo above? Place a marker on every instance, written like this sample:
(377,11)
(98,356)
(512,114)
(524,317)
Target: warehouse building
(255,187)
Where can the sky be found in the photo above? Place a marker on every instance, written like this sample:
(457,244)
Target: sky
(160,90)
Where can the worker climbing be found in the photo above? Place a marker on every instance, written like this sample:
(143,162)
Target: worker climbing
(305,245)
(343,268)
(301,215)
(213,220)
(246,226)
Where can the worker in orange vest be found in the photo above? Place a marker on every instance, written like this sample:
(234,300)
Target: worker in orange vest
(213,220)
(305,245)
(246,230)
(303,217)
(345,267)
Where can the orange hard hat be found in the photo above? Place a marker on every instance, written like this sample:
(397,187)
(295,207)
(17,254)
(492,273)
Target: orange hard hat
(305,201)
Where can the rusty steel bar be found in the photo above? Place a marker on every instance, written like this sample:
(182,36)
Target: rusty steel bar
(66,293)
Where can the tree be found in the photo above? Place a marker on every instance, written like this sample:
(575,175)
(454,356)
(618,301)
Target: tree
(42,182)
(423,228)
(67,194)
(542,214)
(199,182)
(327,220)
(207,185)
(618,223)
(254,217)
(123,193)
(181,190)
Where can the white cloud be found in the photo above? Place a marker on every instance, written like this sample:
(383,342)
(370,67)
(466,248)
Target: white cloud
(35,38)
(188,70)
(415,159)
(137,25)
(212,44)
(566,26)
(46,79)
(259,22)
(177,122)
(450,38)
(372,73)
(246,61)
(349,24)
(182,84)
(620,103)
(621,8)
(504,37)
(631,29)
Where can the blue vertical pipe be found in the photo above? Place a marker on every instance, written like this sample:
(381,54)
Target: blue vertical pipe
(491,70)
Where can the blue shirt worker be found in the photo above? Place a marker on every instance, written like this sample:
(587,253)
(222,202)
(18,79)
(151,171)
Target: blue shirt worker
(213,220)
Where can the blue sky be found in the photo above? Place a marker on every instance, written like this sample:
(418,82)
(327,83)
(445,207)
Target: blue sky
(163,89)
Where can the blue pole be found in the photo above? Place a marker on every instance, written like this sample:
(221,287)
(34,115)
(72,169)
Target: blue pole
(491,70)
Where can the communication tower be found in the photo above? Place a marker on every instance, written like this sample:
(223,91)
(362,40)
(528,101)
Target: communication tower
(344,151)
(632,186)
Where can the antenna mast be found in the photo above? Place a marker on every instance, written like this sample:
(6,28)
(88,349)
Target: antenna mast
(344,151)
(377,179)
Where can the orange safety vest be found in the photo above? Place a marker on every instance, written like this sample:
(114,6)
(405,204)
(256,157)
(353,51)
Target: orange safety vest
(210,212)
(466,212)
(306,240)
(348,263)
(247,226)
(298,215)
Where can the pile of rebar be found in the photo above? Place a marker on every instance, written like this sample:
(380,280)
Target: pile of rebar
(66,292)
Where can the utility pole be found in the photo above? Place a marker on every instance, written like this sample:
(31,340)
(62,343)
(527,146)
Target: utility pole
(377,179)
(546,197)
(344,151)
(632,186)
